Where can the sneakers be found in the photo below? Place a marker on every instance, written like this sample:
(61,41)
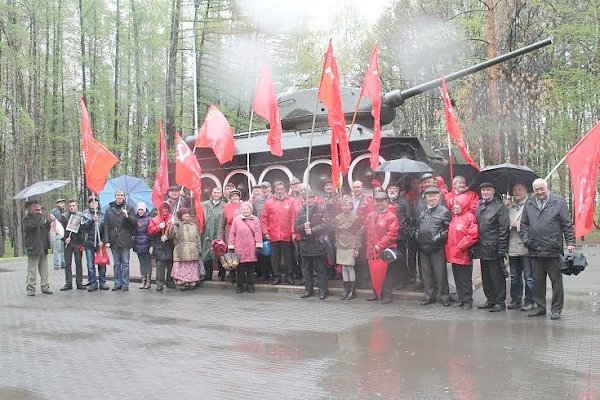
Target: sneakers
(66,287)
(537,311)
(528,307)
(514,305)
(497,307)
(555,315)
(92,288)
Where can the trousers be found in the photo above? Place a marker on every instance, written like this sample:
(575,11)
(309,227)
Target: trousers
(434,274)
(548,266)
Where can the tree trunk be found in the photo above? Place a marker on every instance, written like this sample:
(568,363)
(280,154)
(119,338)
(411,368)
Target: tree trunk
(494,102)
(116,80)
(172,73)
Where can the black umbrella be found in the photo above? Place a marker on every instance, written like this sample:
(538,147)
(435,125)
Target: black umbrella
(503,176)
(39,188)
(404,166)
(466,170)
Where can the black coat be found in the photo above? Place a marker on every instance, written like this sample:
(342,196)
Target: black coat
(36,239)
(76,238)
(403,214)
(432,228)
(542,230)
(310,245)
(88,229)
(118,230)
(494,225)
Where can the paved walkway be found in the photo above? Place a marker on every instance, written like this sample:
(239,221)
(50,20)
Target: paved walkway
(214,344)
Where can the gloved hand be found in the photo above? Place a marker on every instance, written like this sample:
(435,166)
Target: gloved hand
(162,225)
(164,238)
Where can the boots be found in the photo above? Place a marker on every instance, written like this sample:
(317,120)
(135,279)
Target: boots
(143,284)
(148,281)
(351,293)
(346,290)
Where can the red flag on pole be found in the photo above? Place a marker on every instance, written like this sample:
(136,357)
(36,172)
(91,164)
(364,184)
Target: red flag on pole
(189,174)
(265,104)
(372,89)
(330,95)
(97,159)
(453,129)
(216,133)
(584,161)
(161,180)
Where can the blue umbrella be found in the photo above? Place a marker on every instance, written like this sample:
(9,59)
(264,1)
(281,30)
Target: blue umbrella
(135,189)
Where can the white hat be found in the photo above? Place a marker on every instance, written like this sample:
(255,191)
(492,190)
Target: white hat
(141,206)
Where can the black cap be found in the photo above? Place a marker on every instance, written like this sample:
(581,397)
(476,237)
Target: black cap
(486,185)
(432,189)
(31,202)
(174,188)
(59,200)
(381,196)
(426,176)
(396,184)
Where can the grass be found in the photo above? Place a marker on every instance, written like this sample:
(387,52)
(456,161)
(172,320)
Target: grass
(8,250)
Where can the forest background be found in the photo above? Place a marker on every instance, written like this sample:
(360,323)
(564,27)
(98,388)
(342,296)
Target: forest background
(133,60)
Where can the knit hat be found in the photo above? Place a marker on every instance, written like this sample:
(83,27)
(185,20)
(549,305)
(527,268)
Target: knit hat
(141,206)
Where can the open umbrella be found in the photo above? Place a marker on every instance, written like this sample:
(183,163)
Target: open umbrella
(40,188)
(503,176)
(135,189)
(404,166)
(466,170)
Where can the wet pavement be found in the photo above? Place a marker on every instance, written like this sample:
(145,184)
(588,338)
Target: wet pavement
(214,344)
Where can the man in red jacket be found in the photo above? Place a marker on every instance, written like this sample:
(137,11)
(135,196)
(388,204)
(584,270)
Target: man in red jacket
(278,226)
(382,232)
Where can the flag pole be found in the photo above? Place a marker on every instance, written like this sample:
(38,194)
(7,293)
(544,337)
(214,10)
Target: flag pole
(355,113)
(312,134)
(556,167)
(450,159)
(248,154)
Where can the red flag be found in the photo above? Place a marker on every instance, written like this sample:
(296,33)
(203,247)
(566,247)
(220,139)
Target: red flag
(161,180)
(330,95)
(584,160)
(372,89)
(97,159)
(216,133)
(265,104)
(452,127)
(189,174)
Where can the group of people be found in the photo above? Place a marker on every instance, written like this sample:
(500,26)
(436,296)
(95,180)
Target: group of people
(292,235)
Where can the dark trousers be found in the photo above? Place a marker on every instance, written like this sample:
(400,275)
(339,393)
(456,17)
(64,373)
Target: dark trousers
(433,272)
(296,262)
(463,278)
(310,266)
(71,252)
(244,274)
(145,263)
(264,266)
(411,261)
(550,266)
(400,273)
(521,271)
(493,281)
(281,257)
(162,268)
(209,267)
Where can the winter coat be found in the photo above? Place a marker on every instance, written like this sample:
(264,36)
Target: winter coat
(230,211)
(118,230)
(401,209)
(492,217)
(471,197)
(88,229)
(161,251)
(277,219)
(310,245)
(382,230)
(212,217)
(76,238)
(36,238)
(432,227)
(186,238)
(516,247)
(141,240)
(347,231)
(463,233)
(245,236)
(543,229)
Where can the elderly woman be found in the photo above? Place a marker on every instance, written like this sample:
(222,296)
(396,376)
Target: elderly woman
(245,238)
(347,241)
(186,253)
(230,211)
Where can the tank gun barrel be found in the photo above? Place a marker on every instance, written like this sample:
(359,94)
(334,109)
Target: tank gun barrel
(396,98)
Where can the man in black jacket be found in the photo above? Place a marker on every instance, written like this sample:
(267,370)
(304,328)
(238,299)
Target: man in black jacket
(36,229)
(73,246)
(544,222)
(492,217)
(119,226)
(432,233)
(92,228)
(311,249)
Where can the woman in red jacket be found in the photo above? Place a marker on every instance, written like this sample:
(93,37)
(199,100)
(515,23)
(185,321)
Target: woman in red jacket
(463,233)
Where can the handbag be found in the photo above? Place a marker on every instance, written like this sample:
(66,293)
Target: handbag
(101,256)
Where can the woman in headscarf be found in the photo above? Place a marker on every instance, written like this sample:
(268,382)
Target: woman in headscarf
(245,238)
